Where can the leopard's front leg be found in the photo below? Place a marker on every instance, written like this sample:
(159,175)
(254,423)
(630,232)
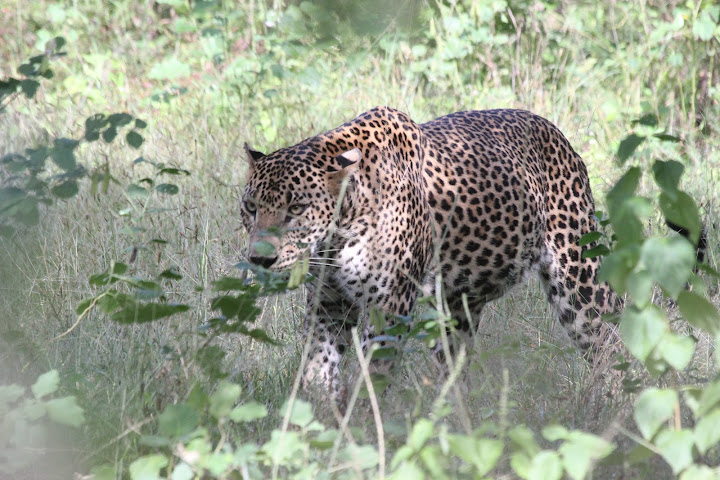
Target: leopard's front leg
(322,363)
(326,328)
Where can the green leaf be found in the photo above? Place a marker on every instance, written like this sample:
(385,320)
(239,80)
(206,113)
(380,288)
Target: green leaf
(46,384)
(324,440)
(699,312)
(653,408)
(243,306)
(649,120)
(377,319)
(224,399)
(263,248)
(174,171)
(667,174)
(482,453)
(624,188)
(665,137)
(210,358)
(546,465)
(670,261)
(67,189)
(32,410)
(675,446)
(134,139)
(680,209)
(119,268)
(709,398)
(704,26)
(178,420)
(136,191)
(677,350)
(707,431)
(10,394)
(8,87)
(596,251)
(421,432)
(119,119)
(698,472)
(93,124)
(140,123)
(229,283)
(408,470)
(147,312)
(29,87)
(66,411)
(639,287)
(148,467)
(638,455)
(299,272)
(10,197)
(379,380)
(360,456)
(26,211)
(155,441)
(581,451)
(55,45)
(63,154)
(283,446)
(259,334)
(169,69)
(108,303)
(167,188)
(170,274)
(628,146)
(641,330)
(523,438)
(301,413)
(109,134)
(183,471)
(104,472)
(248,412)
(628,219)
(28,69)
(555,432)
(589,238)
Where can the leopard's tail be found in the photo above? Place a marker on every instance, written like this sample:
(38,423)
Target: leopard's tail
(700,246)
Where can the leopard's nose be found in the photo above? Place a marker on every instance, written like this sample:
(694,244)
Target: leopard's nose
(265,262)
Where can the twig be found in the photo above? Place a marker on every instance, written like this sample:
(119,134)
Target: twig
(80,317)
(373,401)
(459,363)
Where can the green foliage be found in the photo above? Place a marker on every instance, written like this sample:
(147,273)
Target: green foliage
(25,421)
(636,265)
(28,181)
(35,68)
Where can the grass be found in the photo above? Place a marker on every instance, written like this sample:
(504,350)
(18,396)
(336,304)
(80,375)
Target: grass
(126,375)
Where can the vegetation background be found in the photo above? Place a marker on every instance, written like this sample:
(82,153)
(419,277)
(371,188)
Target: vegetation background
(157,198)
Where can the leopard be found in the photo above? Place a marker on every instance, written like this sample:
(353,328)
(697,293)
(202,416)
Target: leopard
(384,210)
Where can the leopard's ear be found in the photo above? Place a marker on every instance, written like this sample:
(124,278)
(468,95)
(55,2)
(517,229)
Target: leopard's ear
(252,155)
(349,159)
(348,162)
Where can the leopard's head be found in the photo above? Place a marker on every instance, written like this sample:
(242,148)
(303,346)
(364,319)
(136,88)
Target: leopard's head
(290,199)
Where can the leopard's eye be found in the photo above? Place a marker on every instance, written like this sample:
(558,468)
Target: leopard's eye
(297,209)
(250,206)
